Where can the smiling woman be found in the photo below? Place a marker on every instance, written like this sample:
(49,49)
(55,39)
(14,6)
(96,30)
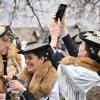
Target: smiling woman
(33,61)
(40,75)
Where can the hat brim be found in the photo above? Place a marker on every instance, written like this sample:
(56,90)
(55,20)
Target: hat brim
(34,48)
(89,39)
(4,30)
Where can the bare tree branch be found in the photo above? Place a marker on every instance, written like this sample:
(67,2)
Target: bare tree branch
(1,1)
(14,10)
(28,3)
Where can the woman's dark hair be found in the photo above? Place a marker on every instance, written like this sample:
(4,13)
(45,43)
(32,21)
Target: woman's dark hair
(43,52)
(92,51)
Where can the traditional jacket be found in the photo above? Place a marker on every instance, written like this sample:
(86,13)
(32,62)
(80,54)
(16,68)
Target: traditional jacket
(13,64)
(42,81)
(77,76)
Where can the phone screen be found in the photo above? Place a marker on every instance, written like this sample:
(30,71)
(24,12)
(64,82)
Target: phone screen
(61,11)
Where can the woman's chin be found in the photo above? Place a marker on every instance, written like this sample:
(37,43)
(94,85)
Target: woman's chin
(30,70)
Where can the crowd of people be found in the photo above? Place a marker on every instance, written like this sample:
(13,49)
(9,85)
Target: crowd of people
(62,69)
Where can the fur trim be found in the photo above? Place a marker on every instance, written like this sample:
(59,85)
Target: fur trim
(24,74)
(2,87)
(43,80)
(85,62)
(13,61)
(1,67)
(12,53)
(68,60)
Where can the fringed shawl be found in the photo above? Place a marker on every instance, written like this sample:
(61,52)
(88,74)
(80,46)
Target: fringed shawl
(77,76)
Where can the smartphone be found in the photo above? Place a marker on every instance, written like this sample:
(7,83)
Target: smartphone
(61,11)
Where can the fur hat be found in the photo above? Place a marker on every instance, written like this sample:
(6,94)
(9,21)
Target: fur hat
(5,30)
(43,49)
(92,41)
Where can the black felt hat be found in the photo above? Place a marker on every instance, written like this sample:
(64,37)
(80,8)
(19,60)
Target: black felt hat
(92,41)
(91,37)
(42,48)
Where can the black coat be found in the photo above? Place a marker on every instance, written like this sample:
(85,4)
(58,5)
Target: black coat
(25,96)
(71,47)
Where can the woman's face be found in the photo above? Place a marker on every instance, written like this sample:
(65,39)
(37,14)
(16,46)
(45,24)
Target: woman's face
(82,50)
(4,44)
(33,62)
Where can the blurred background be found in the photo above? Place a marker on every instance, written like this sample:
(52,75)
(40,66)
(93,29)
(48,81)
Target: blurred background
(30,19)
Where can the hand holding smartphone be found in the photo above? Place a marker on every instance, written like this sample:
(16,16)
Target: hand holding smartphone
(61,11)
